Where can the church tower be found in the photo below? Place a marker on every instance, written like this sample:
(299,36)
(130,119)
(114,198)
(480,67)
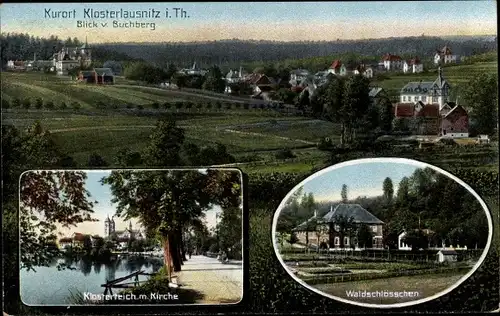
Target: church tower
(441,90)
(109,226)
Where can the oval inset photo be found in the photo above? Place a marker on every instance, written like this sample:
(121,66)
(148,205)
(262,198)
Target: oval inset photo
(382,232)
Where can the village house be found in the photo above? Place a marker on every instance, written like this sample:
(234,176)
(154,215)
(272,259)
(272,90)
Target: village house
(377,93)
(444,56)
(78,239)
(193,71)
(16,65)
(427,109)
(392,62)
(261,85)
(455,122)
(97,76)
(234,76)
(364,70)
(328,231)
(413,66)
(430,245)
(297,76)
(337,68)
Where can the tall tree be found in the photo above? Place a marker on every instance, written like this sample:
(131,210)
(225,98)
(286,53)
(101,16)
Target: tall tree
(165,144)
(388,189)
(386,114)
(403,191)
(343,194)
(481,96)
(214,80)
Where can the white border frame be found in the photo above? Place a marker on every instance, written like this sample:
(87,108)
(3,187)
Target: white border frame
(382,160)
(243,259)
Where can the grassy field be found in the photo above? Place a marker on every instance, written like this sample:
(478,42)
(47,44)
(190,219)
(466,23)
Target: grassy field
(249,134)
(425,286)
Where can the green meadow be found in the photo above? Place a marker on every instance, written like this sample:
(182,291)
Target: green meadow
(109,120)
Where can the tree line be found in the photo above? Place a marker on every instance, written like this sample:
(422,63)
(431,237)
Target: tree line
(429,206)
(19,46)
(232,53)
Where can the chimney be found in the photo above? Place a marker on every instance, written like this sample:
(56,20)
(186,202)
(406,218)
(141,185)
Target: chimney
(315,213)
(241,70)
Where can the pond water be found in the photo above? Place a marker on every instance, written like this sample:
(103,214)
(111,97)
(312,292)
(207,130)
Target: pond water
(49,286)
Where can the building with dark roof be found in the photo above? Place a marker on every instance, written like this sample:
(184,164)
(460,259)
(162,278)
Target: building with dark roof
(97,76)
(444,56)
(332,229)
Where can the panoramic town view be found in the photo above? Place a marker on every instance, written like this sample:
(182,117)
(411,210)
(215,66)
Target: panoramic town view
(226,85)
(373,225)
(98,251)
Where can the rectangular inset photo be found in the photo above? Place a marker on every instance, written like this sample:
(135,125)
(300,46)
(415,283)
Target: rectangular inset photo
(114,237)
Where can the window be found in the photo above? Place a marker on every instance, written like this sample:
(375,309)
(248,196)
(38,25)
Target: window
(404,98)
(434,99)
(346,241)
(374,229)
(337,228)
(424,98)
(337,241)
(415,98)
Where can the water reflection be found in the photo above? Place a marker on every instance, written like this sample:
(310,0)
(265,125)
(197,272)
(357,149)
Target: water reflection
(127,264)
(50,285)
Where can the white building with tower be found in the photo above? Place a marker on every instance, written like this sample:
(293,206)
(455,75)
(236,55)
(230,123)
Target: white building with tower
(70,58)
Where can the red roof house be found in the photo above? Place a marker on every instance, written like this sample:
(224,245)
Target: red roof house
(455,123)
(336,64)
(390,57)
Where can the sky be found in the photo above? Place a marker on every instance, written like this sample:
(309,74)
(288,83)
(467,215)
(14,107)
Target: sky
(286,21)
(364,179)
(104,208)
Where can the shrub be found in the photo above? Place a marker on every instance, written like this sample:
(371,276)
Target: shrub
(218,105)
(246,106)
(129,106)
(114,106)
(16,103)
(178,105)
(213,248)
(38,103)
(26,103)
(63,106)
(5,104)
(76,106)
(50,105)
(209,105)
(155,105)
(140,107)
(284,154)
(325,144)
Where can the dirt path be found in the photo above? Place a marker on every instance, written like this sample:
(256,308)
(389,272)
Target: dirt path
(218,283)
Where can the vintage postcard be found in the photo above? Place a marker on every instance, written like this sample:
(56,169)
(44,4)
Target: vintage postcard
(250,157)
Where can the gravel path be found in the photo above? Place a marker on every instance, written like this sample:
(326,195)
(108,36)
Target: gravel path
(218,283)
